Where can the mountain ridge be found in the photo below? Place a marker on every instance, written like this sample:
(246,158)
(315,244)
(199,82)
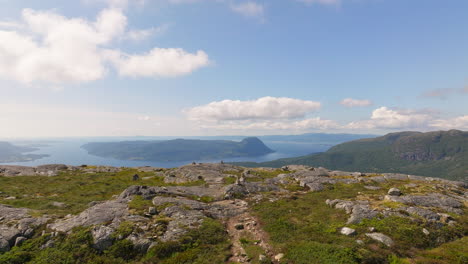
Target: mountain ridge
(178,149)
(436,154)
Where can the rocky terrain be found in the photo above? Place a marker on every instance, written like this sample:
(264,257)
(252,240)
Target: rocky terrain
(221,213)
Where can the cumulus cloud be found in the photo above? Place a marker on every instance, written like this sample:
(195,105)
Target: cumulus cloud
(262,114)
(386,118)
(249,9)
(160,63)
(264,108)
(350,102)
(55,50)
(460,122)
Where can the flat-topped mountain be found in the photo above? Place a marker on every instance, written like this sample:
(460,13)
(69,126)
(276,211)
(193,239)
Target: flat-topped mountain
(441,154)
(13,153)
(178,149)
(220,213)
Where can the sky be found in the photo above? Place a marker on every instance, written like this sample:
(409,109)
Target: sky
(231,67)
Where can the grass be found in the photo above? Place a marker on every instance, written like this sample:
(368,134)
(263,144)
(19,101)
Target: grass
(75,188)
(295,222)
(206,245)
(253,251)
(138,205)
(450,253)
(304,228)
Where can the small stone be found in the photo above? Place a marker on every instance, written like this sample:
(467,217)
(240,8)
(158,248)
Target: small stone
(359,242)
(261,257)
(394,192)
(279,256)
(381,238)
(372,229)
(152,210)
(347,231)
(10,198)
(59,204)
(373,188)
(425,231)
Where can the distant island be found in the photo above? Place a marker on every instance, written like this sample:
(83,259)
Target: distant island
(178,149)
(13,153)
(442,154)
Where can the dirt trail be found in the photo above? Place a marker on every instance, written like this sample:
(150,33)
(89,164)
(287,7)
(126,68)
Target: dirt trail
(237,227)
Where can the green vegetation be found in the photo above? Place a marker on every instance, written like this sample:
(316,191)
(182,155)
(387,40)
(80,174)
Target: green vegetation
(261,175)
(138,205)
(307,230)
(440,154)
(450,253)
(178,149)
(75,188)
(252,249)
(206,245)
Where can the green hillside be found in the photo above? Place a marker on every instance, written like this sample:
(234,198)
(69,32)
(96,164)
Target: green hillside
(441,154)
(178,149)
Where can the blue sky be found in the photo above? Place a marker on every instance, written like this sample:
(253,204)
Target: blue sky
(227,67)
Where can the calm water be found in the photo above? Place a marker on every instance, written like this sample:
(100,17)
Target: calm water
(69,151)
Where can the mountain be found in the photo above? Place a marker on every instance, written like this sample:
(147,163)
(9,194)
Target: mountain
(178,149)
(12,153)
(442,154)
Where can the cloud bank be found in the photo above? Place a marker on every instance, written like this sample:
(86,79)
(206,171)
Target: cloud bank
(51,49)
(264,108)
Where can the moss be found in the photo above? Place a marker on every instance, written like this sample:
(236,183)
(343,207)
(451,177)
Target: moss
(229,180)
(122,249)
(251,248)
(124,230)
(206,245)
(311,252)
(74,188)
(450,253)
(138,205)
(260,175)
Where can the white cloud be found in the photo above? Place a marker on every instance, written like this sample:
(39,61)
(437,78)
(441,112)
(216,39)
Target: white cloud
(460,122)
(265,114)
(350,102)
(160,63)
(54,50)
(264,108)
(385,118)
(249,9)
